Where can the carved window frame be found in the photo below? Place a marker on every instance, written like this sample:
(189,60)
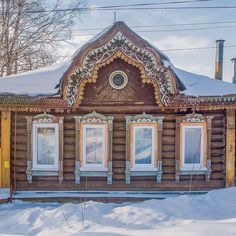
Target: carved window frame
(92,119)
(143,167)
(193,120)
(45,167)
(148,121)
(93,167)
(44,120)
(193,166)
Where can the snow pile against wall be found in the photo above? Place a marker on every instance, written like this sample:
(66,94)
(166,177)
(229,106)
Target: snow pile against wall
(210,214)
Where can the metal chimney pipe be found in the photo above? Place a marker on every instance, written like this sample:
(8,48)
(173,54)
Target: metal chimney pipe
(219,59)
(234,77)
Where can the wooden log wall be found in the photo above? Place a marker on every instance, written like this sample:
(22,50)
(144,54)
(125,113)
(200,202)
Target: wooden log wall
(137,183)
(135,98)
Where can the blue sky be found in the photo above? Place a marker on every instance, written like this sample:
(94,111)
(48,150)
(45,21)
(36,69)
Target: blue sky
(196,61)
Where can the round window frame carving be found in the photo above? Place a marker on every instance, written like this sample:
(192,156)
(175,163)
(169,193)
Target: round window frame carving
(113,74)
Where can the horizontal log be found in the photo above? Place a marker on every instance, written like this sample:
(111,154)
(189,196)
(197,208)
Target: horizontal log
(217,138)
(217,123)
(118,164)
(168,140)
(120,185)
(168,132)
(168,162)
(217,130)
(168,155)
(168,125)
(119,141)
(118,156)
(216,145)
(168,148)
(119,148)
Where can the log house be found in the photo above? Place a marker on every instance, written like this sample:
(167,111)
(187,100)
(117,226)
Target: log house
(118,116)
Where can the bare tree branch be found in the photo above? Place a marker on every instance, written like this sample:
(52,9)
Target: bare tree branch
(28,33)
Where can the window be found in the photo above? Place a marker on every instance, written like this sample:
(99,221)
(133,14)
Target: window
(94,147)
(118,79)
(143,147)
(193,134)
(45,147)
(193,147)
(93,150)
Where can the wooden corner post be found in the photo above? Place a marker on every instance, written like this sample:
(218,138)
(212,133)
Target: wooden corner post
(230,148)
(5,149)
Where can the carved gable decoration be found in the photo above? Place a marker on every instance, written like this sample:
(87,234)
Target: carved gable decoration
(119,45)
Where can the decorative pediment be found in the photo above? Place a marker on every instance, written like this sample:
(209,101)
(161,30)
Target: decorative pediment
(142,118)
(120,45)
(194,118)
(44,118)
(94,118)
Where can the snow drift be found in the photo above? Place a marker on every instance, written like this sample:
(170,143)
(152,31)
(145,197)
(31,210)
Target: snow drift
(210,214)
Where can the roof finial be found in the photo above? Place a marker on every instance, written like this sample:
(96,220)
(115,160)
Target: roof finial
(114,17)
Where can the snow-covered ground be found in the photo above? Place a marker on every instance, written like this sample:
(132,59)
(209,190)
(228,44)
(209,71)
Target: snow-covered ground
(4,194)
(210,214)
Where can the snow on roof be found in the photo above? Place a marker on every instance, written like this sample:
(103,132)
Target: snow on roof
(46,81)
(41,82)
(200,85)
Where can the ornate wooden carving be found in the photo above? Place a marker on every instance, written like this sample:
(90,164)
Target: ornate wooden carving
(121,46)
(177,149)
(61,135)
(29,149)
(208,163)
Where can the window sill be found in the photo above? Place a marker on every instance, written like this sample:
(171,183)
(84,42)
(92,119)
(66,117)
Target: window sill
(143,169)
(193,172)
(93,169)
(144,172)
(44,172)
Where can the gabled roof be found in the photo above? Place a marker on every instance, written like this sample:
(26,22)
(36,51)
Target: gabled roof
(47,81)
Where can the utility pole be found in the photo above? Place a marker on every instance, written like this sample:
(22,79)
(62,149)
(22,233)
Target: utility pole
(234,77)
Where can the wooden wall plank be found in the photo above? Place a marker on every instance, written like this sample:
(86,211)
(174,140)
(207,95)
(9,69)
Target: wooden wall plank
(5,149)
(230,148)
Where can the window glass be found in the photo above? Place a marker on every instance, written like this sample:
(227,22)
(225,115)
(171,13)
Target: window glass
(46,146)
(94,137)
(143,145)
(193,145)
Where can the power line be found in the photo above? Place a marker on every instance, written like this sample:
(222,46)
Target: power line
(199,48)
(177,49)
(188,29)
(166,25)
(156,3)
(135,8)
(140,6)
(160,8)
(167,30)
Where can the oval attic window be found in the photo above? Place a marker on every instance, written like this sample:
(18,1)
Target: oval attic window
(118,79)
